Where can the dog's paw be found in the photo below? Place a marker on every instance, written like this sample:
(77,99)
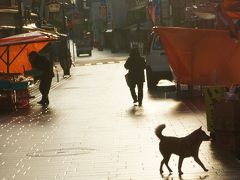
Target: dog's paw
(206,170)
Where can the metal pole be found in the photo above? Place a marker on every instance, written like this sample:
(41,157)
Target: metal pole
(20,17)
(73,48)
(8,60)
(63,14)
(42,6)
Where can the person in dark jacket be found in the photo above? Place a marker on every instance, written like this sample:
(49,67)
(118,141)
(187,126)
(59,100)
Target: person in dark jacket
(65,57)
(136,65)
(43,64)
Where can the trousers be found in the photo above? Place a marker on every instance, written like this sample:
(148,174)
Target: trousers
(44,87)
(136,97)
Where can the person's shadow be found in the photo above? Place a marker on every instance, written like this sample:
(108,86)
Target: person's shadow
(136,111)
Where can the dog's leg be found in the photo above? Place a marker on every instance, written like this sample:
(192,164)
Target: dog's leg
(180,161)
(166,159)
(161,165)
(196,158)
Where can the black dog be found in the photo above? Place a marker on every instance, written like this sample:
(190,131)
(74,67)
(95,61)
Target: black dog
(183,147)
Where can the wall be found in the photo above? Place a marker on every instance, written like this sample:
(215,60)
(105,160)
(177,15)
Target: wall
(119,13)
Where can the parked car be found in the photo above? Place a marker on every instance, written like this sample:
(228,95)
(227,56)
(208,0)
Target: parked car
(157,64)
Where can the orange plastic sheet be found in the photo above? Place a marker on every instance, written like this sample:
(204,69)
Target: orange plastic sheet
(14,50)
(201,56)
(232,8)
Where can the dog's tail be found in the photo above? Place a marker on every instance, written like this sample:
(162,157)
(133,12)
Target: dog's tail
(158,130)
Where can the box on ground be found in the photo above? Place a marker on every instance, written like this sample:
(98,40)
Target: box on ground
(229,141)
(227,116)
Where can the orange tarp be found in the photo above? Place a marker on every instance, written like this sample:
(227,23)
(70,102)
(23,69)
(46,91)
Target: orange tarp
(21,62)
(14,50)
(232,8)
(201,56)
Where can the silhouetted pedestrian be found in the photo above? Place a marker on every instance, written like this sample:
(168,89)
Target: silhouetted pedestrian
(41,63)
(136,65)
(65,57)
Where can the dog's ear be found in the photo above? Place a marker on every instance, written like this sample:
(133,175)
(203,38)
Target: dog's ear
(200,128)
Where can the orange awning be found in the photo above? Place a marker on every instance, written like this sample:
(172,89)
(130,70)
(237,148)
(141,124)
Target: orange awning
(14,50)
(201,56)
(232,8)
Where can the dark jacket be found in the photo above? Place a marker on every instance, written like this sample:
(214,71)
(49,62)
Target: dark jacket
(44,65)
(136,66)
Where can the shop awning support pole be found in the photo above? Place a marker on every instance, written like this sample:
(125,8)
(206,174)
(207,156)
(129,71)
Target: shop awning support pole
(20,15)
(8,60)
(1,56)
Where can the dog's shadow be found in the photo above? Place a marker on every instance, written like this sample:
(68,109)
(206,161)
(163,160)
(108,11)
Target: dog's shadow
(181,177)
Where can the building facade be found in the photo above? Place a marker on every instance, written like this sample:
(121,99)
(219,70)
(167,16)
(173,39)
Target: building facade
(108,17)
(14,15)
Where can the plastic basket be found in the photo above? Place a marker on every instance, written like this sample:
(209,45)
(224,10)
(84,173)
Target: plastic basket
(19,85)
(4,84)
(33,73)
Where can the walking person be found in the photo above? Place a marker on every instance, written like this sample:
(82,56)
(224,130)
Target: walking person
(65,58)
(43,64)
(136,65)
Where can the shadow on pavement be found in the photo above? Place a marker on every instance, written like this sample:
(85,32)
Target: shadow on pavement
(136,111)
(40,116)
(161,93)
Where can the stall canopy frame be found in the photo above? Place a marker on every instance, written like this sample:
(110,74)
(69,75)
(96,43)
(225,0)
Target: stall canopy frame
(14,50)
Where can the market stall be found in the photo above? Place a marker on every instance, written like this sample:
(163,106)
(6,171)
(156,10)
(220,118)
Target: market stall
(210,58)
(201,56)
(14,63)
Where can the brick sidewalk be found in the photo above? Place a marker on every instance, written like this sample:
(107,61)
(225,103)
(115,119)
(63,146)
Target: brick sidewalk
(57,80)
(91,131)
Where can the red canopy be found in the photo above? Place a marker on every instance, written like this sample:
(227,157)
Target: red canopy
(201,56)
(14,50)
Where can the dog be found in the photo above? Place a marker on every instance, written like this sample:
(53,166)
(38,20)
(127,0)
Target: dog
(187,146)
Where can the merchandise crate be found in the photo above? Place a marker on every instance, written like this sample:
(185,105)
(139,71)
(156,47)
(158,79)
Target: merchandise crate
(7,101)
(4,84)
(22,98)
(19,85)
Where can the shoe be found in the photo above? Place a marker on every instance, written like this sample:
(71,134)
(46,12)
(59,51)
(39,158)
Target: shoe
(46,102)
(40,102)
(140,104)
(135,101)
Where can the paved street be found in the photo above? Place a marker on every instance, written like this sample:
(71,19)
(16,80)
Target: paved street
(92,131)
(98,57)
